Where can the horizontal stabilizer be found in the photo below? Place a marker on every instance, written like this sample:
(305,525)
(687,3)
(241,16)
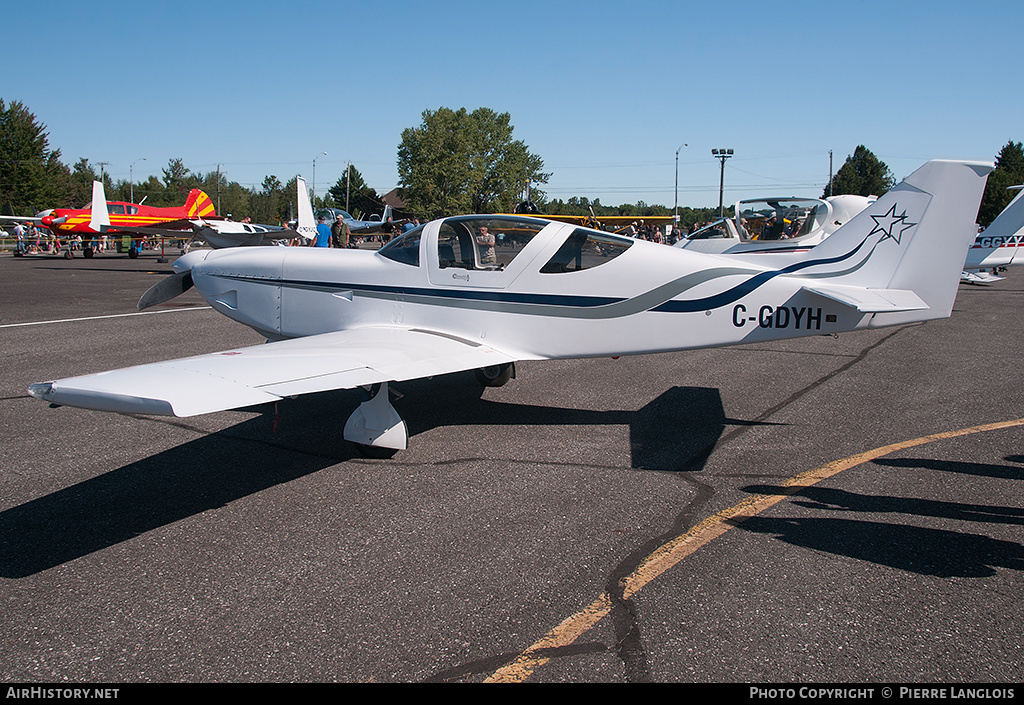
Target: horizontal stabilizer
(979,277)
(871,300)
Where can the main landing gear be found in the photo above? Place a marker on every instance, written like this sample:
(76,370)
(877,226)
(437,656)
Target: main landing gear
(377,429)
(375,426)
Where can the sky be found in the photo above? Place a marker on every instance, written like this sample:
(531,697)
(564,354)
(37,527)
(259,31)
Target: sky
(623,101)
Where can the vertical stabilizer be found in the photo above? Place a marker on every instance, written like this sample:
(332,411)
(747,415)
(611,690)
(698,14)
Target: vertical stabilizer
(913,238)
(1003,235)
(306,226)
(99,219)
(199,205)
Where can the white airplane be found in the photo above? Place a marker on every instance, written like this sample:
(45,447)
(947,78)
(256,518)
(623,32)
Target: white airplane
(220,233)
(997,245)
(784,224)
(447,297)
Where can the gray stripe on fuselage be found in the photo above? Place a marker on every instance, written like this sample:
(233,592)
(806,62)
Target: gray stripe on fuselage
(637,304)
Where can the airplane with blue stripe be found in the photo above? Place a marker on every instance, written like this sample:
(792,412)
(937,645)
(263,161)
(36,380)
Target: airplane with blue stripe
(482,292)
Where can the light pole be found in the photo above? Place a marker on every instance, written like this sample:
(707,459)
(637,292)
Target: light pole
(676,210)
(131,178)
(313,189)
(721,154)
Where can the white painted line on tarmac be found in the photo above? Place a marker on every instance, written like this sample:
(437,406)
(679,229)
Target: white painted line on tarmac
(96,318)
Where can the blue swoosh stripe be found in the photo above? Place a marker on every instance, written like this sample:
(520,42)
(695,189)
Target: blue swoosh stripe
(740,290)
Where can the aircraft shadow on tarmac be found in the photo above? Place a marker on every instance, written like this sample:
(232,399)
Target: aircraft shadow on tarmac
(674,432)
(914,549)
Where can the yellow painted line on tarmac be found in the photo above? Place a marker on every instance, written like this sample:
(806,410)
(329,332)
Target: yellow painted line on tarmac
(672,552)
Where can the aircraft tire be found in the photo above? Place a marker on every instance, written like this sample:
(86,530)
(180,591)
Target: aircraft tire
(496,375)
(133,253)
(87,253)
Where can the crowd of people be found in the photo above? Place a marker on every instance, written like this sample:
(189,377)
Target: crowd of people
(30,239)
(651,232)
(339,235)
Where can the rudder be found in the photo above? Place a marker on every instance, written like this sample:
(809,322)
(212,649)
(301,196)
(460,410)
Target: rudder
(199,205)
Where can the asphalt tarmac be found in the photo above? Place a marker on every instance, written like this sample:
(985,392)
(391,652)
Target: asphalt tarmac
(825,510)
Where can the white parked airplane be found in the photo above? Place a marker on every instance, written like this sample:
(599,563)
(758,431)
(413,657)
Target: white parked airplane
(484,291)
(997,245)
(784,224)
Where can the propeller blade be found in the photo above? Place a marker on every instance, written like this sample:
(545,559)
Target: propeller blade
(166,289)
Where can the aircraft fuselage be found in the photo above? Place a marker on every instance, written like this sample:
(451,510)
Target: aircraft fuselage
(646,298)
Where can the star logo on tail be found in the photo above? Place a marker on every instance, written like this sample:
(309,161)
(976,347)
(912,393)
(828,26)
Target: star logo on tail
(891,225)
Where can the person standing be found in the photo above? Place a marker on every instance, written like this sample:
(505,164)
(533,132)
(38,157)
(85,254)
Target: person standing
(323,234)
(340,233)
(486,241)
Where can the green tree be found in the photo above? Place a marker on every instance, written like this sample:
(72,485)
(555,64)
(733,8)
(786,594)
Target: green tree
(31,174)
(151,191)
(178,181)
(862,174)
(265,204)
(353,194)
(462,162)
(1009,172)
(79,186)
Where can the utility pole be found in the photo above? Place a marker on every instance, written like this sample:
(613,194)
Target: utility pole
(830,172)
(722,155)
(313,189)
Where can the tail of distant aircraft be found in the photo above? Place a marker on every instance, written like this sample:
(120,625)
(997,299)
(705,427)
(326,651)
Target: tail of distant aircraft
(99,220)
(306,226)
(901,257)
(1004,233)
(388,213)
(199,205)
(1010,221)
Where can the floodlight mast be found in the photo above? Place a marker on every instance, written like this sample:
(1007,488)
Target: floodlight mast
(722,155)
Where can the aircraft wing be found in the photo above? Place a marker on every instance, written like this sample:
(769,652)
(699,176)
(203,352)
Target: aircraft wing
(267,373)
(177,229)
(363,227)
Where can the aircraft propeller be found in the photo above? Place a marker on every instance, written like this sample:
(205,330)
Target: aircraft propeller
(165,290)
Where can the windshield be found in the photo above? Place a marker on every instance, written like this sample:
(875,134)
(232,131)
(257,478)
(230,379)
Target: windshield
(405,248)
(781,218)
(585,249)
(484,242)
(331,214)
(715,230)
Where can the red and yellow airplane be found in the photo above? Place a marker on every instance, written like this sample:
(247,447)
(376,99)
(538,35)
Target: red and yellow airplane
(65,222)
